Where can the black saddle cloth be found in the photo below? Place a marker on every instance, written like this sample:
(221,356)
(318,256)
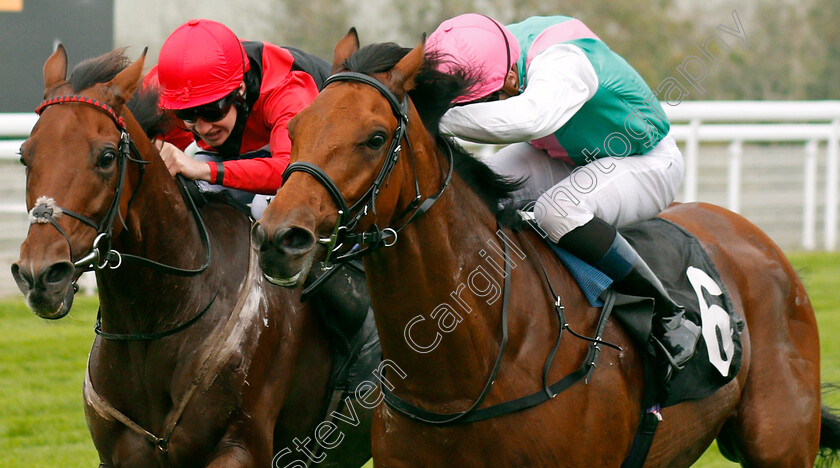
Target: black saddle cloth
(692,280)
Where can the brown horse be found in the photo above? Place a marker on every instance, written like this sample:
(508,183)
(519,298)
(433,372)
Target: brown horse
(437,236)
(199,361)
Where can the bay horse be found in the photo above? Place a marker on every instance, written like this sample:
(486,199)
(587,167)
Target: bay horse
(367,155)
(198,360)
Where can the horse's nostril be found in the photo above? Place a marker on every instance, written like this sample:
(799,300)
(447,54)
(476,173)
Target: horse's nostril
(294,240)
(22,278)
(57,273)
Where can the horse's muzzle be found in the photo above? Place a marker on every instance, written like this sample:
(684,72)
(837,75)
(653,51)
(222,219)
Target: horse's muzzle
(285,254)
(48,291)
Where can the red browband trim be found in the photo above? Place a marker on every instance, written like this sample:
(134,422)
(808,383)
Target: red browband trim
(83,100)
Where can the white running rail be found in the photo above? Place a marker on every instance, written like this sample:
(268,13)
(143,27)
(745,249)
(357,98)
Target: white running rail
(810,123)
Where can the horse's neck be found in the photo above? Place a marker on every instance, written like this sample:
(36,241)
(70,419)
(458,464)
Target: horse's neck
(159,220)
(425,277)
(160,226)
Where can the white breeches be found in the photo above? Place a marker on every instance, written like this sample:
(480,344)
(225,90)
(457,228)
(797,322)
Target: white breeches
(620,191)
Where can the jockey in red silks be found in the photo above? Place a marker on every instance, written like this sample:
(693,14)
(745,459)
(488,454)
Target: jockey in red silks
(236,97)
(587,135)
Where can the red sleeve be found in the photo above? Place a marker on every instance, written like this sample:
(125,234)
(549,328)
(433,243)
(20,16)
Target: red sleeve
(277,107)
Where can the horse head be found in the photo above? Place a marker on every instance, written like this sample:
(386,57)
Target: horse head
(74,171)
(346,146)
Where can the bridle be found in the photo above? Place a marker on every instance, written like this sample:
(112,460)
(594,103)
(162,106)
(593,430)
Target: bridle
(96,260)
(101,255)
(348,218)
(344,243)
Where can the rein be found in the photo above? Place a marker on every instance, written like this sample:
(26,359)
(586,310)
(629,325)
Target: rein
(548,392)
(101,255)
(349,217)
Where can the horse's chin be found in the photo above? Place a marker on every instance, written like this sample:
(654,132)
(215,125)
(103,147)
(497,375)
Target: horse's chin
(288,276)
(51,306)
(291,282)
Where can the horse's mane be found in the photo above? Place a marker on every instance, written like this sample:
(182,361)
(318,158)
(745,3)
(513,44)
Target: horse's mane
(432,96)
(143,105)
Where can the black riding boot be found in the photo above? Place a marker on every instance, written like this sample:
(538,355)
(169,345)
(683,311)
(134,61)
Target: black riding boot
(673,333)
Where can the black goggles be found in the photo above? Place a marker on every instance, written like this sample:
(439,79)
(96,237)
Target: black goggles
(210,112)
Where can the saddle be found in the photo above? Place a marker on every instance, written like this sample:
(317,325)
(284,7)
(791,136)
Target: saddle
(687,272)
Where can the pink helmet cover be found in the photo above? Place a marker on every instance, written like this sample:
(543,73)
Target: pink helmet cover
(478,45)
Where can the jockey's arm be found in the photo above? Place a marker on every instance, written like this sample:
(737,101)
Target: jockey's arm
(560,81)
(265,175)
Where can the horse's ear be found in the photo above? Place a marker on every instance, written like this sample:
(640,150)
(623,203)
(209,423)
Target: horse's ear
(401,77)
(346,47)
(123,85)
(55,70)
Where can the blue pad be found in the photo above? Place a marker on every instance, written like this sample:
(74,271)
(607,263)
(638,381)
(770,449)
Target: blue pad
(591,280)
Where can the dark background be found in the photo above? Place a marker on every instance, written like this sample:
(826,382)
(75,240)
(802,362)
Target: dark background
(28,37)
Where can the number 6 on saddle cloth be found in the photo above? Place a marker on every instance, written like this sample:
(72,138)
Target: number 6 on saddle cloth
(691,278)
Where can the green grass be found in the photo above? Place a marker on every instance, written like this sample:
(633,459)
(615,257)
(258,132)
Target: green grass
(42,366)
(41,371)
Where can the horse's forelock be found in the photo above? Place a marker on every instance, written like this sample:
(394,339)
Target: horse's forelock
(435,90)
(143,105)
(375,58)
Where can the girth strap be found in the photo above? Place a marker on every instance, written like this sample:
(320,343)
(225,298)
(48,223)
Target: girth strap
(643,439)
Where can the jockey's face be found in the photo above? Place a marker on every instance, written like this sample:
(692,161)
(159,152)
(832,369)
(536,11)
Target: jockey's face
(214,133)
(511,86)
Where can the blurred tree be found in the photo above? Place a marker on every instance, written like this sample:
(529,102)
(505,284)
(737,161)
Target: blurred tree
(794,45)
(312,25)
(641,31)
(775,66)
(823,57)
(416,18)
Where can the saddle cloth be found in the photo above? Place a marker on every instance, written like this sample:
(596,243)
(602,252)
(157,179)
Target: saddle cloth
(692,280)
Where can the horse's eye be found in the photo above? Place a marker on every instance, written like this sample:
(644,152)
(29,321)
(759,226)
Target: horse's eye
(106,158)
(376,141)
